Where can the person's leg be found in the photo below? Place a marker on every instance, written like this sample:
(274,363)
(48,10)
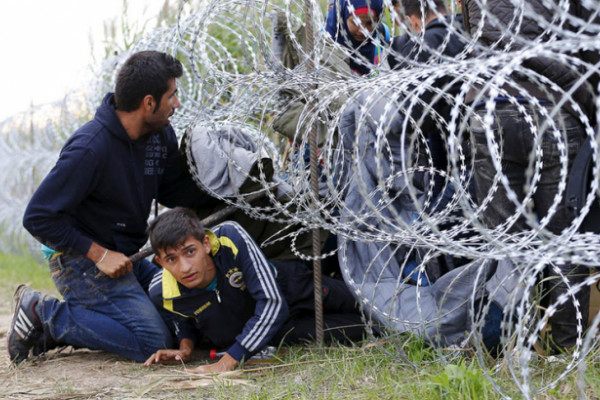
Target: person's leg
(509,150)
(564,322)
(102,313)
(296,281)
(516,142)
(345,328)
(341,316)
(337,298)
(25,334)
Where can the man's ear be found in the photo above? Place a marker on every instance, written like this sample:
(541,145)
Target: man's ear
(158,260)
(148,103)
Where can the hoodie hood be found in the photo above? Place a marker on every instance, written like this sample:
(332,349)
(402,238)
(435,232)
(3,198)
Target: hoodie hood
(106,114)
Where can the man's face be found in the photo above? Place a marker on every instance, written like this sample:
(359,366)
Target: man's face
(360,31)
(415,22)
(159,119)
(190,263)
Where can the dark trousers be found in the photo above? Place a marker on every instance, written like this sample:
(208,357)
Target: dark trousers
(514,145)
(341,317)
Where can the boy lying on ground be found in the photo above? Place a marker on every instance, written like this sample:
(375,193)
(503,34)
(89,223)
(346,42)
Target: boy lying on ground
(219,284)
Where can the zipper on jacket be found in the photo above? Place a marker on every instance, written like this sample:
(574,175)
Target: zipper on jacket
(218,297)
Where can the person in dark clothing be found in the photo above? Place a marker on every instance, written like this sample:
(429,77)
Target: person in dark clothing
(435,38)
(543,107)
(218,283)
(438,39)
(91,212)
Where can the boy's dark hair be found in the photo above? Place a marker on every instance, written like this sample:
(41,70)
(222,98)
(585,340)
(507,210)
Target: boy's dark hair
(413,7)
(171,229)
(145,73)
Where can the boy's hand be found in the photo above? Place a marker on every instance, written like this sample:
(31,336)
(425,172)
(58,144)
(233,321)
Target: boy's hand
(172,356)
(168,357)
(226,363)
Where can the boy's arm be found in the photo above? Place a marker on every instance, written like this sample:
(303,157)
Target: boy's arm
(271,309)
(183,329)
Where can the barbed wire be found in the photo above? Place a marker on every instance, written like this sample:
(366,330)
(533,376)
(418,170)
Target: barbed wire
(420,240)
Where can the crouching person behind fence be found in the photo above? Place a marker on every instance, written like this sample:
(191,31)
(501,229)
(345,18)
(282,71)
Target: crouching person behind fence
(219,284)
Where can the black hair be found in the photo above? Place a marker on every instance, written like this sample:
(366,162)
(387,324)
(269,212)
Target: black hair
(145,73)
(171,229)
(413,7)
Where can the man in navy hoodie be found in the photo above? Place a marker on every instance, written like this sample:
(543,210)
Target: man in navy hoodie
(91,212)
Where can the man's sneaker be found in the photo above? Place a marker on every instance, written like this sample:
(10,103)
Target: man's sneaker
(43,345)
(25,329)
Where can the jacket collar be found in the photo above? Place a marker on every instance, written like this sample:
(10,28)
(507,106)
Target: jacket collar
(171,289)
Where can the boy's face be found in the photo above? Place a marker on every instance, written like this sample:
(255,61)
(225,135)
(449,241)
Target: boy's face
(190,263)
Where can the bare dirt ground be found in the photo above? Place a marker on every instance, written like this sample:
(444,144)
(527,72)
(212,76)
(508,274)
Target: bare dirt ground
(83,374)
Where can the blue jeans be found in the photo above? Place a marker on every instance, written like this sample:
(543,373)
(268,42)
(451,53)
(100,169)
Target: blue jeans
(102,313)
(515,142)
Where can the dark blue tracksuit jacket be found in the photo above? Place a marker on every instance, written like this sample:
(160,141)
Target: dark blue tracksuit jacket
(245,310)
(102,186)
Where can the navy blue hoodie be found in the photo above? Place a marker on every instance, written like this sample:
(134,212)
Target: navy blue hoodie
(102,186)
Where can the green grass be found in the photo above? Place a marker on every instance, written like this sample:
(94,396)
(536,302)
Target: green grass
(17,269)
(363,372)
(376,372)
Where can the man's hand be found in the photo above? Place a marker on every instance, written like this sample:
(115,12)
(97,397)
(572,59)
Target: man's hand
(226,363)
(112,263)
(115,264)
